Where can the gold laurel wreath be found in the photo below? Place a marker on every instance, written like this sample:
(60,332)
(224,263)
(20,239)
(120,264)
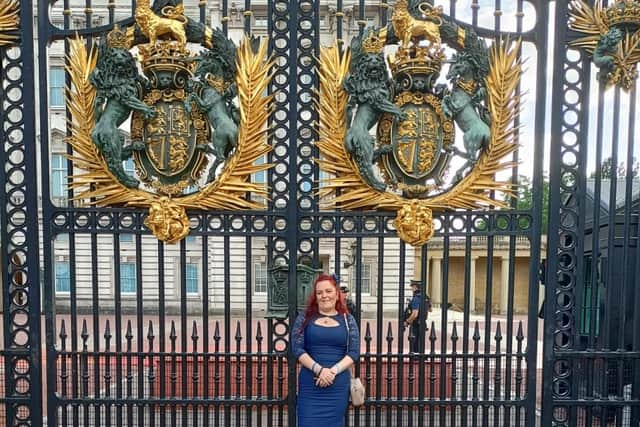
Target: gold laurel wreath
(9,21)
(348,190)
(94,183)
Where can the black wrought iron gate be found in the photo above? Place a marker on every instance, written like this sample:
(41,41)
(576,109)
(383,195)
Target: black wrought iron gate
(137,332)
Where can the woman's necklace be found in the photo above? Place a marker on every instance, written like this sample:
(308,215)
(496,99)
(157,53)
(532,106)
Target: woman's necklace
(326,319)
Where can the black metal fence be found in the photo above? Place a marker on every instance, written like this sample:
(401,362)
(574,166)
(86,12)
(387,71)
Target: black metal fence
(592,329)
(137,332)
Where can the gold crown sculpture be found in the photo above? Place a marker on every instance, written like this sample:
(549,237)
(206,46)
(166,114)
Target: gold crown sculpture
(375,41)
(165,55)
(624,12)
(423,60)
(118,38)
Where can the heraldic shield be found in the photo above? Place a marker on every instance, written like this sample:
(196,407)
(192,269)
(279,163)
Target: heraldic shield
(176,137)
(418,141)
(198,120)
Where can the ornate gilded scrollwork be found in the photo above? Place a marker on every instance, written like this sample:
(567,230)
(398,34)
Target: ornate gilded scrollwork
(9,21)
(198,122)
(612,38)
(415,164)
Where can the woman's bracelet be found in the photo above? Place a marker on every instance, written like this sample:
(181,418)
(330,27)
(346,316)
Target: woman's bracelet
(337,368)
(313,367)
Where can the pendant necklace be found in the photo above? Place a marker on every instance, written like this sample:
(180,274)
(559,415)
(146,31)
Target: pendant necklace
(326,319)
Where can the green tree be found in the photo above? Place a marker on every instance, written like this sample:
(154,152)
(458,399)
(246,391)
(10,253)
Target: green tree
(606,169)
(524,200)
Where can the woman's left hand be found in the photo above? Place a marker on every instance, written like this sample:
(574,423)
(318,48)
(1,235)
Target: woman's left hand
(325,378)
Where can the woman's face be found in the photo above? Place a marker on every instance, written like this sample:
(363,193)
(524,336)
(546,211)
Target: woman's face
(326,295)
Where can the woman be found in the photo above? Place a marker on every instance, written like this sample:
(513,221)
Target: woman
(326,348)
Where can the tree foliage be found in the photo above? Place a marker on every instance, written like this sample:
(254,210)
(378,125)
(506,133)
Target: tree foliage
(525,193)
(607,169)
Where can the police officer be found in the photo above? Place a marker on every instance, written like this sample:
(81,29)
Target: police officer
(413,322)
(348,301)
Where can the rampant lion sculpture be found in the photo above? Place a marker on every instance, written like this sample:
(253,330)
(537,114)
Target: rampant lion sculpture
(116,80)
(370,89)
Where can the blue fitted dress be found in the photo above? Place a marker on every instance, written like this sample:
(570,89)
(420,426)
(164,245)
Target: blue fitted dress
(318,406)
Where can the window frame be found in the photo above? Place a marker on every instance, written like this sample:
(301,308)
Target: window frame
(122,276)
(56,277)
(196,267)
(59,166)
(254,271)
(54,85)
(366,263)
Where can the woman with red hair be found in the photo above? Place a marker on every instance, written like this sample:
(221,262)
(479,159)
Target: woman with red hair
(326,342)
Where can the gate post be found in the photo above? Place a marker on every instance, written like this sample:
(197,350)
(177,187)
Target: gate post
(19,229)
(555,338)
(303,31)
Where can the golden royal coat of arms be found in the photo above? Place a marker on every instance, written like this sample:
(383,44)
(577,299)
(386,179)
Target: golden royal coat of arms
(414,163)
(198,121)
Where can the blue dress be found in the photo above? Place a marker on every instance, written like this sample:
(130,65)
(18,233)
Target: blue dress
(327,345)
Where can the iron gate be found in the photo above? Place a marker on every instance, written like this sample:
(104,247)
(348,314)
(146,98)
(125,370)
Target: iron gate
(138,332)
(592,328)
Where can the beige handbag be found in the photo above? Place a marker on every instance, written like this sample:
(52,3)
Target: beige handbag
(356,388)
(356,392)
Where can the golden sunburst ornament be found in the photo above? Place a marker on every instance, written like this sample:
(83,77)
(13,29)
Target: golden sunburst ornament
(94,184)
(347,189)
(9,21)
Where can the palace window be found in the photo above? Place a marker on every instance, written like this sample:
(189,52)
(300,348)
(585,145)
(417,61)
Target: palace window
(128,279)
(365,278)
(63,276)
(56,87)
(260,277)
(191,272)
(58,175)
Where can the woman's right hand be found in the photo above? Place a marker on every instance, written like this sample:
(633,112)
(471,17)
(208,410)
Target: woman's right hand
(325,377)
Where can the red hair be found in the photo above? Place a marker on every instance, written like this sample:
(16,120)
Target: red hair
(312,302)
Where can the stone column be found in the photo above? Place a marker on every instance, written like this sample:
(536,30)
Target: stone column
(417,265)
(504,284)
(435,281)
(472,284)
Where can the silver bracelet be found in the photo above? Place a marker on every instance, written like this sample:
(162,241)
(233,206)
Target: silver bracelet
(337,367)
